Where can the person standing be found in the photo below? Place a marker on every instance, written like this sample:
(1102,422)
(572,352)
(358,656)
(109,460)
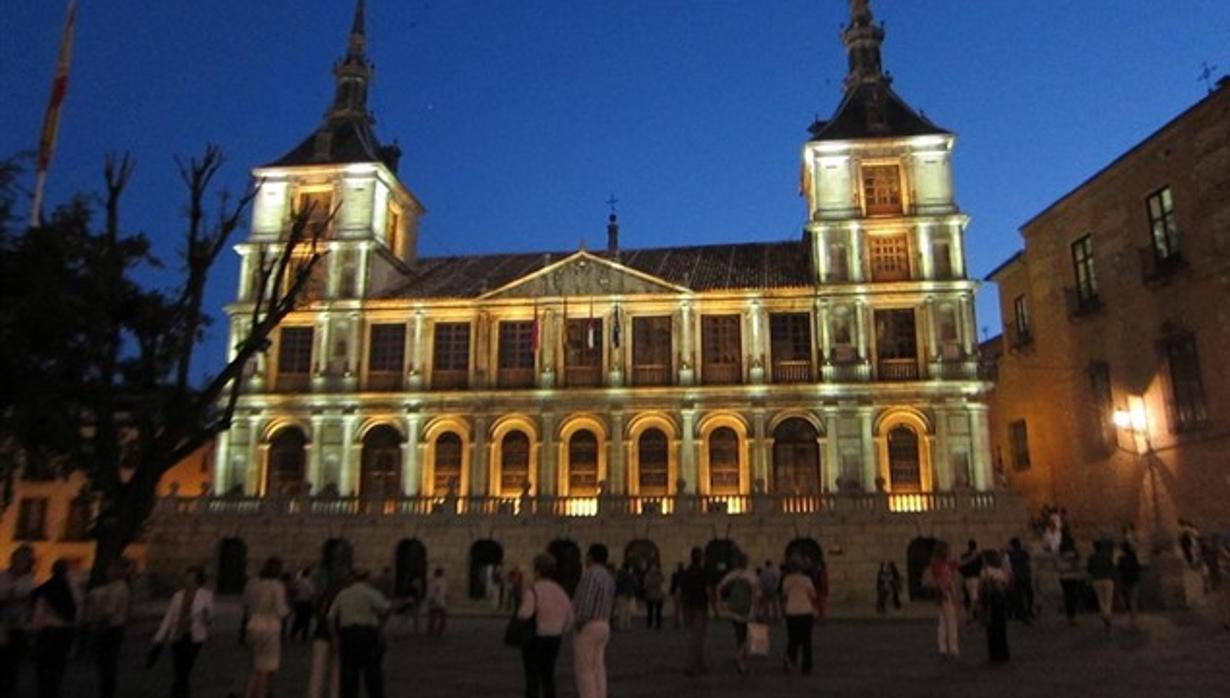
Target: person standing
(653,596)
(357,614)
(185,627)
(547,603)
(739,592)
(993,592)
(944,577)
(516,586)
(592,612)
(676,596)
(770,586)
(1022,581)
(303,602)
(16,588)
(1101,569)
(326,662)
(1128,568)
(54,619)
(799,606)
(625,596)
(1070,577)
(264,605)
(884,583)
(694,598)
(971,571)
(107,610)
(437,603)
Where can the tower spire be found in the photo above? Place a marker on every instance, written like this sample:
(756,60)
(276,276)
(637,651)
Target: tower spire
(863,40)
(353,73)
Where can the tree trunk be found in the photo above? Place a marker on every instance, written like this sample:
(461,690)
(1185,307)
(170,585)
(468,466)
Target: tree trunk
(119,525)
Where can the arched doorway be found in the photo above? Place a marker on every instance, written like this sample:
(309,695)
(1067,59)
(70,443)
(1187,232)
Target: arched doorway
(653,463)
(904,460)
(514,462)
(286,467)
(806,549)
(447,466)
(484,556)
(567,556)
(381,463)
(720,554)
(917,557)
(410,568)
(640,554)
(583,464)
(796,457)
(232,565)
(723,461)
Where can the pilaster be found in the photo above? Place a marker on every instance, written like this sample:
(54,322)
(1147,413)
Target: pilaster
(411,463)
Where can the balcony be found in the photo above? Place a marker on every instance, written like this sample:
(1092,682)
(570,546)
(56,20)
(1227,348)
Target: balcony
(955,370)
(721,374)
(651,374)
(384,381)
(897,370)
(847,372)
(515,378)
(792,371)
(292,382)
(583,376)
(1081,304)
(1157,269)
(452,379)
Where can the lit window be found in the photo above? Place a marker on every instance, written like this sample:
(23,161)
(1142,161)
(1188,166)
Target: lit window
(1082,264)
(890,257)
(882,189)
(392,228)
(1162,229)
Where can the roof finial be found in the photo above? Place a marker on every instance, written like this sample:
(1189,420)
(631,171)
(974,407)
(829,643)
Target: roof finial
(358,30)
(863,39)
(612,227)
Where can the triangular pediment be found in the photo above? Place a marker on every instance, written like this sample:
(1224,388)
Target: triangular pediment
(584,274)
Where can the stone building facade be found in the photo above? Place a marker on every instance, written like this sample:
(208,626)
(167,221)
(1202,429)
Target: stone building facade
(759,388)
(1117,304)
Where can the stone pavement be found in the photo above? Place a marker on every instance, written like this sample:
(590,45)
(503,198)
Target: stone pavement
(1169,656)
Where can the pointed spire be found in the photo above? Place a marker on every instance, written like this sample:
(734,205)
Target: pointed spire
(358,30)
(863,39)
(612,227)
(353,73)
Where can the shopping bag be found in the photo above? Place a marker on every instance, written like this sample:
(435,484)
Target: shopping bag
(757,639)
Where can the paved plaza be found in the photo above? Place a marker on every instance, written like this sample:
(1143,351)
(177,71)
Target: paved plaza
(1169,656)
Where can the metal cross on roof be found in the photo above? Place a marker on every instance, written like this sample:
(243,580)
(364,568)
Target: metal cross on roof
(1206,75)
(611,202)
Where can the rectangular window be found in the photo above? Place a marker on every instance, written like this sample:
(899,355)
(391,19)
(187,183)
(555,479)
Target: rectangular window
(839,262)
(31,519)
(77,526)
(583,352)
(317,206)
(841,335)
(516,354)
(721,349)
(1103,404)
(1162,229)
(1020,319)
(392,228)
(1086,280)
(294,357)
(896,344)
(941,260)
(882,190)
(386,354)
(790,344)
(1018,437)
(1187,404)
(450,365)
(651,350)
(890,257)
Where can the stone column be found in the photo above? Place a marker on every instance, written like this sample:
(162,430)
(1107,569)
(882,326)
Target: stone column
(831,465)
(360,272)
(315,471)
(616,477)
(687,454)
(687,362)
(756,343)
(411,467)
(969,333)
(926,260)
(980,445)
(348,481)
(870,471)
(355,350)
(826,340)
(957,250)
(929,327)
(252,483)
(479,459)
(760,450)
(856,253)
(820,242)
(417,352)
(222,463)
(546,456)
(941,462)
(860,329)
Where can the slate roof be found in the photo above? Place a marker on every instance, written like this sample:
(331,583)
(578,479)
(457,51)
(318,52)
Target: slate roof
(856,116)
(752,265)
(352,140)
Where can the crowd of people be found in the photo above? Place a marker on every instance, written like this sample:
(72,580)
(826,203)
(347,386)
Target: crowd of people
(346,616)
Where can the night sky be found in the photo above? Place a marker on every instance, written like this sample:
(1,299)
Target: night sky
(519,118)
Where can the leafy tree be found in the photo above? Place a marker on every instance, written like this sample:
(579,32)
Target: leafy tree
(96,363)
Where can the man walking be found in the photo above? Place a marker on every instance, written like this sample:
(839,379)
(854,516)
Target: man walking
(592,613)
(358,612)
(696,599)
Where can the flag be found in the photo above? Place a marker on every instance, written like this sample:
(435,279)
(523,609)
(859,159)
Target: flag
(51,120)
(615,327)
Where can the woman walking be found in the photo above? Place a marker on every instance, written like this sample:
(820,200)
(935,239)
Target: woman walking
(739,592)
(942,576)
(799,605)
(264,604)
(55,615)
(1101,569)
(185,627)
(548,604)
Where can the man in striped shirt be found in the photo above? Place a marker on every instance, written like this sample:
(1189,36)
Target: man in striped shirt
(591,610)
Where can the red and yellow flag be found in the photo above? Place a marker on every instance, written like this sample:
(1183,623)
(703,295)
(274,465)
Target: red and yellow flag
(51,120)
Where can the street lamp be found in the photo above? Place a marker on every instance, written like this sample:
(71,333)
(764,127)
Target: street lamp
(1135,420)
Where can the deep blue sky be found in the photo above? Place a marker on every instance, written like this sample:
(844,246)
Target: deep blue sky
(518,118)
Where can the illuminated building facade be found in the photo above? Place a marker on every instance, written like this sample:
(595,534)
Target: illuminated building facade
(520,397)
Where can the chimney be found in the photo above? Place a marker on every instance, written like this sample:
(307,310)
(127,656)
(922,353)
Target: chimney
(612,234)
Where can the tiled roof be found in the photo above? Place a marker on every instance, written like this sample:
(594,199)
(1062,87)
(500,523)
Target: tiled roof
(350,141)
(857,117)
(752,265)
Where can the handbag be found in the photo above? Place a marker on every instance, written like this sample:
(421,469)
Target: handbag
(757,639)
(521,630)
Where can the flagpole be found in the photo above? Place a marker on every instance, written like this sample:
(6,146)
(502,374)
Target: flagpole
(51,119)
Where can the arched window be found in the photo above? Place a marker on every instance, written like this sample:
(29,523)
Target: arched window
(514,462)
(381,464)
(905,474)
(796,457)
(583,464)
(286,467)
(724,461)
(653,463)
(447,468)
